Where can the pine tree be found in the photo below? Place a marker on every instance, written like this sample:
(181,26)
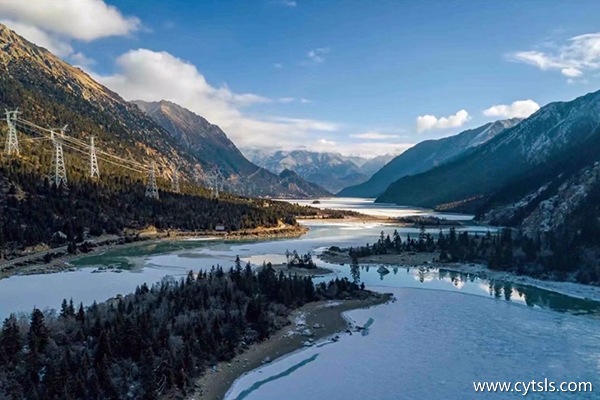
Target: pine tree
(10,341)
(37,337)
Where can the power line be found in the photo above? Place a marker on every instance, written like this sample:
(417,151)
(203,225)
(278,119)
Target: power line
(78,142)
(58,174)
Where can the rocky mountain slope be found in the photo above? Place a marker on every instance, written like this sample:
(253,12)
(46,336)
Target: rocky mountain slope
(516,161)
(553,206)
(331,171)
(211,146)
(426,155)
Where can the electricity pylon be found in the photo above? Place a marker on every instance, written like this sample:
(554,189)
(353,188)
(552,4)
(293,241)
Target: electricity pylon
(151,188)
(12,141)
(58,173)
(94,170)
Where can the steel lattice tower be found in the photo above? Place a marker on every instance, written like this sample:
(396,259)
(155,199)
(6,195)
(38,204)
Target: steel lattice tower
(175,181)
(12,141)
(94,170)
(58,174)
(151,188)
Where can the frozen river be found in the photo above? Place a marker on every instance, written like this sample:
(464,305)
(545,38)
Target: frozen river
(445,331)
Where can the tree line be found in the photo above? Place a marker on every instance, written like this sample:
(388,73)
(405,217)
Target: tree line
(154,341)
(32,211)
(551,256)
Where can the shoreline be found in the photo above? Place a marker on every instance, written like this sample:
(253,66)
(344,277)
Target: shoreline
(34,263)
(572,289)
(330,319)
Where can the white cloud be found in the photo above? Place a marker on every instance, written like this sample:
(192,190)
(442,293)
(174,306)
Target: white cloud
(54,24)
(363,149)
(148,75)
(428,122)
(285,3)
(581,53)
(81,60)
(571,72)
(286,100)
(373,136)
(517,109)
(317,56)
(371,149)
(75,19)
(326,142)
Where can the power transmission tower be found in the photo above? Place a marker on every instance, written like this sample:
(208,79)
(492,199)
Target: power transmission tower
(94,170)
(151,188)
(12,142)
(58,174)
(216,180)
(175,181)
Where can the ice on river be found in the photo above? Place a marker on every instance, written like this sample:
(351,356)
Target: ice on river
(433,345)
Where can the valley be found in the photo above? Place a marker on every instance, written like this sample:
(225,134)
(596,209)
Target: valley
(299,200)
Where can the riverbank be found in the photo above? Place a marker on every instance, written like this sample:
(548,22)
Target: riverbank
(326,316)
(427,259)
(52,260)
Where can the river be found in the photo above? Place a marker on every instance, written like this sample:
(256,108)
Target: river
(445,330)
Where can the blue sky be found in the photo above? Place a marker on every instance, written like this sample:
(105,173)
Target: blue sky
(349,76)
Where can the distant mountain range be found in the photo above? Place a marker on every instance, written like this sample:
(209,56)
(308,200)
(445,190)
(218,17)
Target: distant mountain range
(332,171)
(424,156)
(213,149)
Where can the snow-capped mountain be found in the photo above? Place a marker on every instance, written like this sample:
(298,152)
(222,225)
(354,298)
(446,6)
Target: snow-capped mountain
(331,171)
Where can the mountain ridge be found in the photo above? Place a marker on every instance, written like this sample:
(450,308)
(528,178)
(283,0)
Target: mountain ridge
(329,170)
(554,129)
(211,146)
(426,155)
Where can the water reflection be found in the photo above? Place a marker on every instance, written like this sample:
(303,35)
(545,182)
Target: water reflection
(150,262)
(442,279)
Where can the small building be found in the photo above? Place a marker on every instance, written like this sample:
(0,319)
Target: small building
(220,228)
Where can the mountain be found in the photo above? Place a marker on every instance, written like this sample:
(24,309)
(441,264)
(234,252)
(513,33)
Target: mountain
(199,137)
(370,166)
(211,146)
(331,171)
(50,92)
(533,151)
(424,156)
(295,183)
